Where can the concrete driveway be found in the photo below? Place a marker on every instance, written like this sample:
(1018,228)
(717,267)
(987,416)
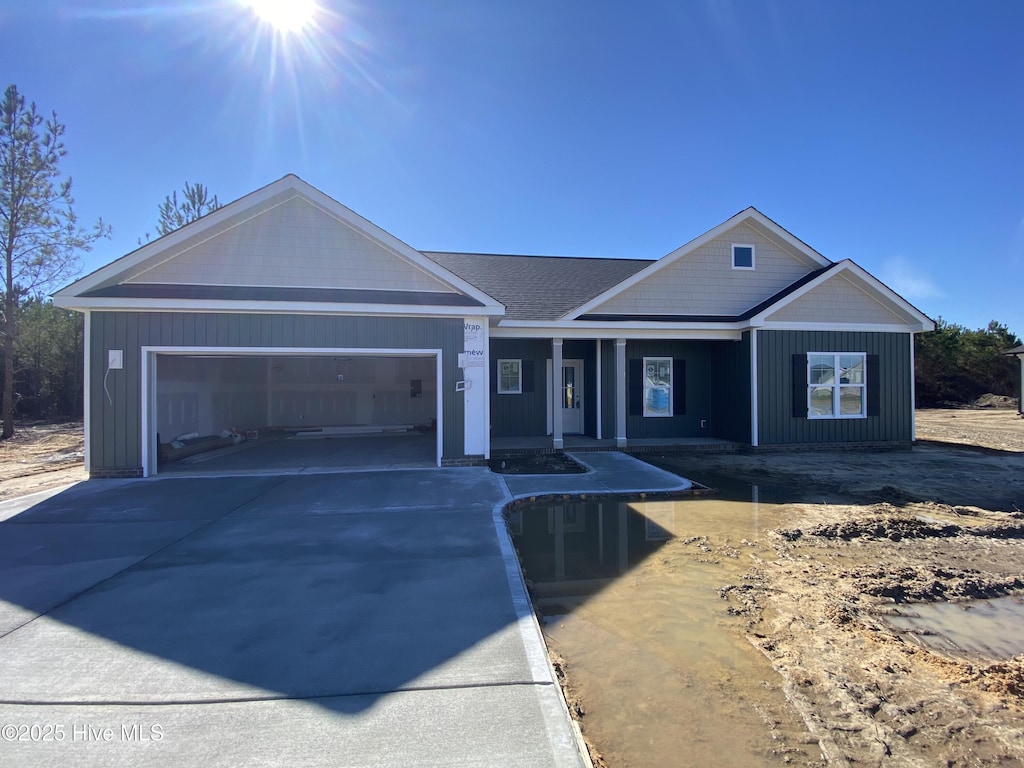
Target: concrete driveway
(338,620)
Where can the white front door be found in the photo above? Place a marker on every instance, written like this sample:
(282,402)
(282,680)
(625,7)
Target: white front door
(572,397)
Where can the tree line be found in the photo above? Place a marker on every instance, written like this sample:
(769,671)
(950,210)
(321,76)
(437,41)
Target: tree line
(956,365)
(41,242)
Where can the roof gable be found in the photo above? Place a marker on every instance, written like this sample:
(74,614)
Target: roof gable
(295,244)
(285,236)
(698,278)
(845,295)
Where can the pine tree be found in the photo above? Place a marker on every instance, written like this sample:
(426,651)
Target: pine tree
(40,237)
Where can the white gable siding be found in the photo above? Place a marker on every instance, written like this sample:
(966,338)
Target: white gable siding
(703,282)
(294,244)
(838,300)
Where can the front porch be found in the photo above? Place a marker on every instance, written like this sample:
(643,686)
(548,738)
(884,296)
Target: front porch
(633,395)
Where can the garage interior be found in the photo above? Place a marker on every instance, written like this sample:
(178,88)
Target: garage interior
(231,412)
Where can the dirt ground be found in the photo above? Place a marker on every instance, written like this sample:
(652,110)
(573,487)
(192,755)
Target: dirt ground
(871,534)
(874,535)
(41,456)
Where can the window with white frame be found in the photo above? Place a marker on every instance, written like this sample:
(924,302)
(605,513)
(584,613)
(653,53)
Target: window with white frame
(742,256)
(657,386)
(836,385)
(510,377)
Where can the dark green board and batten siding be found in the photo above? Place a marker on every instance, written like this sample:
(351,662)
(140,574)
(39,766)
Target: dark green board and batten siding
(890,406)
(525,414)
(691,389)
(730,395)
(116,423)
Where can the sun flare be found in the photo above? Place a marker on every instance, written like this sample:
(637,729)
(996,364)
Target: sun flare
(285,16)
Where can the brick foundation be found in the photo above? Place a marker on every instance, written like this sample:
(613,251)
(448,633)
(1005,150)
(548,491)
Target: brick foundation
(888,445)
(115,474)
(468,461)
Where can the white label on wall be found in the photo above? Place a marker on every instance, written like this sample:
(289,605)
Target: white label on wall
(474,342)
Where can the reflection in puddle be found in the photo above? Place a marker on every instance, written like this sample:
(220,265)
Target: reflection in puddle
(630,595)
(991,628)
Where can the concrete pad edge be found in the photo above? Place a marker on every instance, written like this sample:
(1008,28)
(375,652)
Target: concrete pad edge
(560,722)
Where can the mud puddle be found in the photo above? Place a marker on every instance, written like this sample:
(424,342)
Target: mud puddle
(631,597)
(989,629)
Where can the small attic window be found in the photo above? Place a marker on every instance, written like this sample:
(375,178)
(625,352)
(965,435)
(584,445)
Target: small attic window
(742,256)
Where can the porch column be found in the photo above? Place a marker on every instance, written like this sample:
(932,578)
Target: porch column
(556,394)
(620,393)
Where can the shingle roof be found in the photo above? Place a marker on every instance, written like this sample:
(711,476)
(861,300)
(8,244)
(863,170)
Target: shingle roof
(538,287)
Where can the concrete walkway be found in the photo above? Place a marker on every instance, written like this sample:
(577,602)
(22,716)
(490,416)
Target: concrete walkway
(607,472)
(369,618)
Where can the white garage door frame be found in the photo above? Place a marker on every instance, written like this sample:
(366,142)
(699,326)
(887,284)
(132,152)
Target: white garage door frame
(149,379)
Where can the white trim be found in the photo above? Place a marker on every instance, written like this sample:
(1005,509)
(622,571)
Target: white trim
(148,377)
(207,351)
(87,391)
(557,432)
(270,307)
(547,400)
(755,437)
(620,393)
(753,255)
(913,392)
(289,183)
(147,360)
(745,216)
(836,386)
(584,330)
(920,322)
(871,327)
(486,426)
(597,387)
(288,287)
(439,371)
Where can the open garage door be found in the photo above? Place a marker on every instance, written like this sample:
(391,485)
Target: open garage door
(230,410)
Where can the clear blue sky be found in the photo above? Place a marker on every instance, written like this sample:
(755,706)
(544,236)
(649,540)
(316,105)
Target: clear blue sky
(891,133)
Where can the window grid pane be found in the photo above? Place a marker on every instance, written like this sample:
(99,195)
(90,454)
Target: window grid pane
(821,401)
(851,401)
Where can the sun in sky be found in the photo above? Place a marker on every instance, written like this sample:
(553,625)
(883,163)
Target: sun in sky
(285,16)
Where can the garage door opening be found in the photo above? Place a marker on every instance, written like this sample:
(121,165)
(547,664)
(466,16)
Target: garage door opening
(285,410)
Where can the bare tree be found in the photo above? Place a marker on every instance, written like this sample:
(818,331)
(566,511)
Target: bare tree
(41,237)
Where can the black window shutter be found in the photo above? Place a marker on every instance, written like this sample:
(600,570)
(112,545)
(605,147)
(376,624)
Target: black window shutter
(678,387)
(635,390)
(874,379)
(494,375)
(800,386)
(528,383)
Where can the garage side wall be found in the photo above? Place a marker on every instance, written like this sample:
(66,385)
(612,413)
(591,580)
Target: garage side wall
(115,410)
